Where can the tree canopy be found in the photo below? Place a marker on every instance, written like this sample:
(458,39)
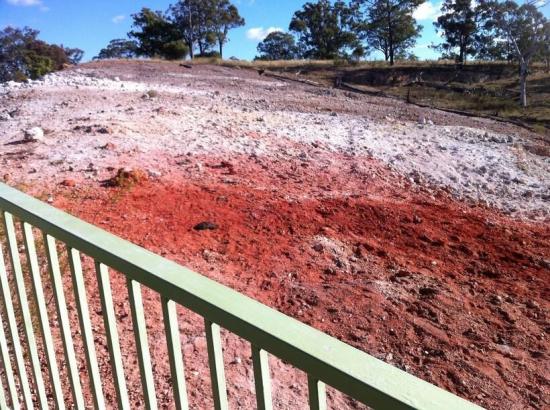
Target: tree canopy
(119,48)
(24,56)
(278,46)
(157,36)
(458,26)
(205,23)
(388,26)
(324,29)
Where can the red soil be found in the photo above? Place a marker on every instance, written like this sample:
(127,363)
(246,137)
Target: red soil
(453,293)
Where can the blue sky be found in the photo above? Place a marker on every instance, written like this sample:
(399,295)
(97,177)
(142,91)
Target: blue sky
(90,24)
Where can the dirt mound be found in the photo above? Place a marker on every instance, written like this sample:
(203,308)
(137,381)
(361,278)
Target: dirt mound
(128,177)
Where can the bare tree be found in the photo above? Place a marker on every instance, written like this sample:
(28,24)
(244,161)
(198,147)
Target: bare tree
(523,26)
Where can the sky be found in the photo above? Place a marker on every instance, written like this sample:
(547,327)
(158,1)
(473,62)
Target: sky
(91,24)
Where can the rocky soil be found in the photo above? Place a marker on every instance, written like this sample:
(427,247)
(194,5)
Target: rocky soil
(418,236)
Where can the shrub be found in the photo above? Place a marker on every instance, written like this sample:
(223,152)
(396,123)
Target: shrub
(175,50)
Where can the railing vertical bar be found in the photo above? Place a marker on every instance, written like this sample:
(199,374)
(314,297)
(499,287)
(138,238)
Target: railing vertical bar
(215,359)
(12,327)
(64,324)
(24,305)
(86,327)
(12,389)
(142,345)
(38,294)
(317,394)
(173,340)
(109,319)
(3,405)
(262,381)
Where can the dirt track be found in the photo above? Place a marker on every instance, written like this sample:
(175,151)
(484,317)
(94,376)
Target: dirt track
(424,245)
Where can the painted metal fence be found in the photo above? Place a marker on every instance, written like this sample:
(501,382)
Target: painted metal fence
(324,359)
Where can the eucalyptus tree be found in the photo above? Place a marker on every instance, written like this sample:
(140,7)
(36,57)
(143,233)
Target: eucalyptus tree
(205,23)
(156,35)
(118,48)
(388,25)
(458,27)
(524,28)
(226,17)
(324,29)
(278,46)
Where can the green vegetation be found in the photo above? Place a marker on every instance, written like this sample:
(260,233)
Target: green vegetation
(388,26)
(487,30)
(156,36)
(324,30)
(278,46)
(489,89)
(24,56)
(118,48)
(178,32)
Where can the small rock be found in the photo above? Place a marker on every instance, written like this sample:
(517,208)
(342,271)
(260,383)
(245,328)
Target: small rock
(4,116)
(427,292)
(318,247)
(496,299)
(200,343)
(205,226)
(34,134)
(153,173)
(531,304)
(103,130)
(69,183)
(109,146)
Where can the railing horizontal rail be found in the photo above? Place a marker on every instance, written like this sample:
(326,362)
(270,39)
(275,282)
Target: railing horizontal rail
(322,357)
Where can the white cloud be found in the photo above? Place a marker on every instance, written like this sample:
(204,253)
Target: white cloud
(427,11)
(25,3)
(118,19)
(259,33)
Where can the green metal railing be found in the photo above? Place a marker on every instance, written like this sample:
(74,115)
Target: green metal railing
(323,358)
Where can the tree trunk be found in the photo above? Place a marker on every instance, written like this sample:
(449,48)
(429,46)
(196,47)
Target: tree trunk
(390,34)
(523,84)
(221,48)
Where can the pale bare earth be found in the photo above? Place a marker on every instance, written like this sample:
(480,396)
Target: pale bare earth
(221,111)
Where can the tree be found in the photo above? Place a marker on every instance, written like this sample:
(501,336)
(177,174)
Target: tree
(545,50)
(226,17)
(458,26)
(74,55)
(278,46)
(524,28)
(23,55)
(156,36)
(324,29)
(194,20)
(118,48)
(388,25)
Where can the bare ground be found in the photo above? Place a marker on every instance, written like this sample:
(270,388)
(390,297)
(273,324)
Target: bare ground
(418,236)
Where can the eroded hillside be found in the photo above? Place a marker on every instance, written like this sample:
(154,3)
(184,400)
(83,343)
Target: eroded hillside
(418,236)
